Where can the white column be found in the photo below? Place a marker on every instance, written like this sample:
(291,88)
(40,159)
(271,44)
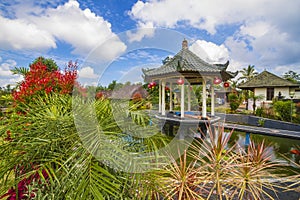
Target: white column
(159,96)
(163,104)
(171,97)
(204,99)
(182,101)
(212,100)
(189,97)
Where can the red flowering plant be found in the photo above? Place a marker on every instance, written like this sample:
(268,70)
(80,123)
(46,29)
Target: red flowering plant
(40,79)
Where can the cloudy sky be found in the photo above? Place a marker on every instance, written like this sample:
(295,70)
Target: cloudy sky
(114,39)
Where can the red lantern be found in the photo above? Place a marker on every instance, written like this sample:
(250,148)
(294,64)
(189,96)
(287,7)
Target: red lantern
(151,85)
(226,84)
(180,81)
(217,81)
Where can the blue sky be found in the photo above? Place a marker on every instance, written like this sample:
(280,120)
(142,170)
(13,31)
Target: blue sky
(114,39)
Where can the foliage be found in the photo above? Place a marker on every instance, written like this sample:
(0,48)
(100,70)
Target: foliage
(210,169)
(292,76)
(283,109)
(39,79)
(259,112)
(20,70)
(41,141)
(254,166)
(261,122)
(234,101)
(248,73)
(50,63)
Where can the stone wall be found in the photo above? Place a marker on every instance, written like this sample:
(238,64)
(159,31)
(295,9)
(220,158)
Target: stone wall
(253,121)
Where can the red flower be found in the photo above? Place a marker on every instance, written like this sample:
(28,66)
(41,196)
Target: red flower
(39,79)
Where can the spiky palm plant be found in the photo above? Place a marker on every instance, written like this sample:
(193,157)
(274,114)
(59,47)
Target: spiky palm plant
(43,142)
(180,180)
(256,174)
(217,161)
(44,139)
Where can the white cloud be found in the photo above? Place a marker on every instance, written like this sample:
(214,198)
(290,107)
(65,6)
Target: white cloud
(83,29)
(87,72)
(267,30)
(205,14)
(22,35)
(210,52)
(280,70)
(144,30)
(6,76)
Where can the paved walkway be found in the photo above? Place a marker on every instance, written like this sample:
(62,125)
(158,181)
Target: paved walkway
(264,131)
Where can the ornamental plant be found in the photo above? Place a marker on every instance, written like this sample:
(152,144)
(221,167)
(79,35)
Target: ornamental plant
(234,101)
(42,79)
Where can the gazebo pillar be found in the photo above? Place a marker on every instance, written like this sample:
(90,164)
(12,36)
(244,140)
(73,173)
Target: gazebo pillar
(182,102)
(212,100)
(189,96)
(159,96)
(171,97)
(204,99)
(163,103)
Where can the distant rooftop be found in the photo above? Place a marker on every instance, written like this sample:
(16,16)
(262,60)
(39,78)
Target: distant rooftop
(267,79)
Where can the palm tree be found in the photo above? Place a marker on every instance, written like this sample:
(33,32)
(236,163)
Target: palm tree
(247,74)
(42,153)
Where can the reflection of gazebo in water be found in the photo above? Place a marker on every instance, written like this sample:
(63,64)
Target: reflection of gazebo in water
(186,69)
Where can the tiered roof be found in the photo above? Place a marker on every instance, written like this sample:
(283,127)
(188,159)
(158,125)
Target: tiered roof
(186,63)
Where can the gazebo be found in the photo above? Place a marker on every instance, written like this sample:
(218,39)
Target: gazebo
(186,68)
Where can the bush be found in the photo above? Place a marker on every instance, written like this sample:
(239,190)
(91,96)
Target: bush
(283,110)
(41,79)
(259,112)
(234,101)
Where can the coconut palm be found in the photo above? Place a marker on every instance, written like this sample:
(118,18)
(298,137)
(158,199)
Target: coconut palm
(247,74)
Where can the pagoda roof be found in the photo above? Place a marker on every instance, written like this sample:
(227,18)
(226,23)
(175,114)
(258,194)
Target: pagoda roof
(267,79)
(185,61)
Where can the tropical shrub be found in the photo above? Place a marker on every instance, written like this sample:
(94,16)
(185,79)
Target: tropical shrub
(284,110)
(234,101)
(42,79)
(212,169)
(259,112)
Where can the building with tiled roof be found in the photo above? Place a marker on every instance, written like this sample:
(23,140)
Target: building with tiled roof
(269,86)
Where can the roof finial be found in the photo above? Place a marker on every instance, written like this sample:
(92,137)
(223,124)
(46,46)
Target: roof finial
(184,44)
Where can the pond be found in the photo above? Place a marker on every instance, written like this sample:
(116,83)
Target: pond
(277,145)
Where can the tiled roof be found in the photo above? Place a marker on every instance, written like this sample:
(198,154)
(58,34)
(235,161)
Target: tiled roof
(127,92)
(267,79)
(185,60)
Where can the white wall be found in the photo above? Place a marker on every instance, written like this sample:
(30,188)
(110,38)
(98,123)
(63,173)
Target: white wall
(285,91)
(261,92)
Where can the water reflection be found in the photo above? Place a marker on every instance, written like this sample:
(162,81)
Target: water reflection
(278,146)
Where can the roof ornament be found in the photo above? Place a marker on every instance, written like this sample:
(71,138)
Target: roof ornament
(185,44)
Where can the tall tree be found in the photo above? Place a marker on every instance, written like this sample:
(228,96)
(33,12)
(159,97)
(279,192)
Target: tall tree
(292,76)
(48,62)
(247,74)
